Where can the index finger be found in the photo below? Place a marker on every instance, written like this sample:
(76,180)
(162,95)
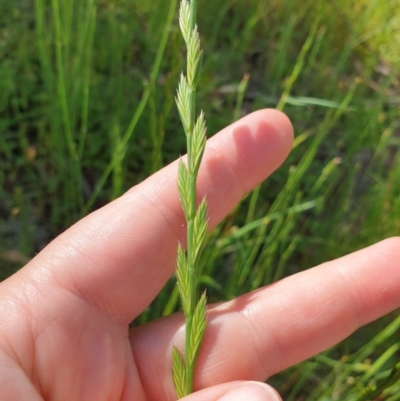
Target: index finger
(119,257)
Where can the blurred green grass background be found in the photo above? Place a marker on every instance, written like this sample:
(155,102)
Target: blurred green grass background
(87,111)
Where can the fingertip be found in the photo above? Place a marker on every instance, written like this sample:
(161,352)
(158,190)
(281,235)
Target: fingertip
(262,141)
(281,121)
(281,124)
(392,244)
(236,391)
(254,391)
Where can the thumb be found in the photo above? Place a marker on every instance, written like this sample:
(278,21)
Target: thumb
(236,391)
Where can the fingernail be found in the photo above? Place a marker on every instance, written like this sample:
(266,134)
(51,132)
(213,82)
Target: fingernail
(251,391)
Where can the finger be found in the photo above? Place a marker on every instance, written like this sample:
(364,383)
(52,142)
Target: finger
(236,391)
(119,257)
(268,330)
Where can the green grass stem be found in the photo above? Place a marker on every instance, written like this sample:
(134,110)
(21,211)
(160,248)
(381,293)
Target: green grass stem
(126,137)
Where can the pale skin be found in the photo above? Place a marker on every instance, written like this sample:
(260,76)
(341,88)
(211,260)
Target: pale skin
(64,317)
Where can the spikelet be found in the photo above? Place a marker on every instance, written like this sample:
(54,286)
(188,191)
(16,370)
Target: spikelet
(178,373)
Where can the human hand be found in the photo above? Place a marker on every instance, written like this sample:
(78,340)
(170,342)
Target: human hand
(64,317)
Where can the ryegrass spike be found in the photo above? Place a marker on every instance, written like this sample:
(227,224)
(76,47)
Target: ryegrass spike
(196,219)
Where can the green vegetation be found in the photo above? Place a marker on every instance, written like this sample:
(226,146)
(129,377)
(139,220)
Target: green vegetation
(87,110)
